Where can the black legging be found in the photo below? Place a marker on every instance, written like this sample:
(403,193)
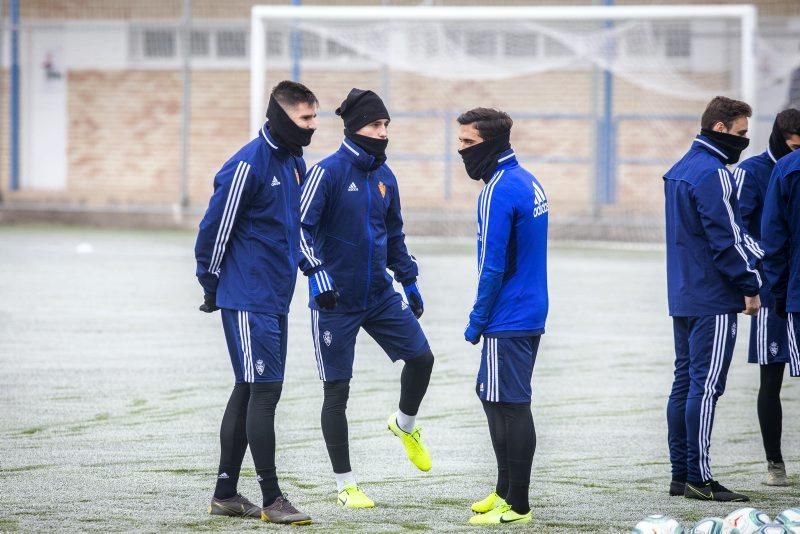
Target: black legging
(770,413)
(514,441)
(333,419)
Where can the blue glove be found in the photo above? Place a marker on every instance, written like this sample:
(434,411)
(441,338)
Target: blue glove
(323,289)
(473,334)
(414,299)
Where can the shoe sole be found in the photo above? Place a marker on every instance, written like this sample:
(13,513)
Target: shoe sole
(225,513)
(779,485)
(299,523)
(714,499)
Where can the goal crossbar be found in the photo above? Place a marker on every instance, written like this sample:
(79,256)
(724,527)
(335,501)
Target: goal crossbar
(746,14)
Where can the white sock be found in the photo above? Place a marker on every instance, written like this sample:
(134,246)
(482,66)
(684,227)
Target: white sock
(344,479)
(406,422)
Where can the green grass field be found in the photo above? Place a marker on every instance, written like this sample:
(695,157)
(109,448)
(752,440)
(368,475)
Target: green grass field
(112,387)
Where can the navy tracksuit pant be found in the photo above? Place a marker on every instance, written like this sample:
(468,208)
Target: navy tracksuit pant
(703,350)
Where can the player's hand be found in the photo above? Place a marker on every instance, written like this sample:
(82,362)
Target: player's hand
(209,304)
(323,290)
(327,299)
(414,299)
(472,334)
(780,308)
(751,305)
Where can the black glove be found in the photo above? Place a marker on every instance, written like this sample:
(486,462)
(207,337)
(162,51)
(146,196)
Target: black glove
(209,304)
(323,289)
(780,308)
(327,299)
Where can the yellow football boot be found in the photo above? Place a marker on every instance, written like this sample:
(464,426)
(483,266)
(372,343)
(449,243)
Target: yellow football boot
(351,496)
(501,515)
(416,450)
(492,501)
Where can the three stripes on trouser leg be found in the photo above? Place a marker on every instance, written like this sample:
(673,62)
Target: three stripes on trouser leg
(709,392)
(794,352)
(247,351)
(492,375)
(317,347)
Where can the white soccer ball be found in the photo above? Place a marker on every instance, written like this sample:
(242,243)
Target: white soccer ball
(658,524)
(711,525)
(790,519)
(774,528)
(746,520)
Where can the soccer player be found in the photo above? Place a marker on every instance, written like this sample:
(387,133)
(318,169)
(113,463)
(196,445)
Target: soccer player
(352,231)
(769,345)
(711,276)
(247,257)
(511,305)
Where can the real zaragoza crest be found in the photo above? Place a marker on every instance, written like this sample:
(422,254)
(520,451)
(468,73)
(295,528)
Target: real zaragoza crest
(297,176)
(382,189)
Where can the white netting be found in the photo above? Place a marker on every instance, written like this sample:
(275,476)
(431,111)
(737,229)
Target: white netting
(601,108)
(642,52)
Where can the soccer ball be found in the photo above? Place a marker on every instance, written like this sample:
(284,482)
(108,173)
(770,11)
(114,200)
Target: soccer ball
(746,520)
(658,524)
(711,525)
(790,519)
(774,528)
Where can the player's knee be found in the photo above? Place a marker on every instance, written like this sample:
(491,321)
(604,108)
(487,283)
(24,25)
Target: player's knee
(423,363)
(241,389)
(336,394)
(265,395)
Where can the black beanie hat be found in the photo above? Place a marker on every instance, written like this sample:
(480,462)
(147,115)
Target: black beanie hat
(361,108)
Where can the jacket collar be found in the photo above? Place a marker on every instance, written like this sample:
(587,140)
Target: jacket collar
(265,134)
(769,154)
(357,155)
(506,160)
(702,142)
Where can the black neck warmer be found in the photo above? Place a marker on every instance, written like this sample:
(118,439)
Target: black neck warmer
(372,146)
(777,143)
(288,134)
(481,160)
(731,145)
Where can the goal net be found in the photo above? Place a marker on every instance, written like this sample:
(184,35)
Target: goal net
(604,99)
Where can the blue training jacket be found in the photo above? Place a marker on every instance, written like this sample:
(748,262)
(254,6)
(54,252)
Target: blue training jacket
(247,248)
(711,260)
(352,228)
(780,231)
(512,253)
(752,178)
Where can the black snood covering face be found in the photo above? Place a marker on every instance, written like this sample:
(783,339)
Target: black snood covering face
(481,160)
(288,134)
(777,144)
(372,146)
(731,145)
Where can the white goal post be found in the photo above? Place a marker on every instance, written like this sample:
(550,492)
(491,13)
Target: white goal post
(262,15)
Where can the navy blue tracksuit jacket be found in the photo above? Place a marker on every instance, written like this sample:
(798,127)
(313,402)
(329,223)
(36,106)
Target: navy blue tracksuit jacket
(247,248)
(780,231)
(752,178)
(351,226)
(711,259)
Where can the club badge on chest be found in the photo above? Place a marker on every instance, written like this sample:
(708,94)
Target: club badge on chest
(297,176)
(382,189)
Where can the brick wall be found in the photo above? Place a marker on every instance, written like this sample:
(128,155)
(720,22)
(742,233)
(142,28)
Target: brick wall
(124,126)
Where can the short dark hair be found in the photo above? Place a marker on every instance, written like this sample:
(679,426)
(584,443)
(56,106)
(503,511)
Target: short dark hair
(725,110)
(789,122)
(489,122)
(289,93)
